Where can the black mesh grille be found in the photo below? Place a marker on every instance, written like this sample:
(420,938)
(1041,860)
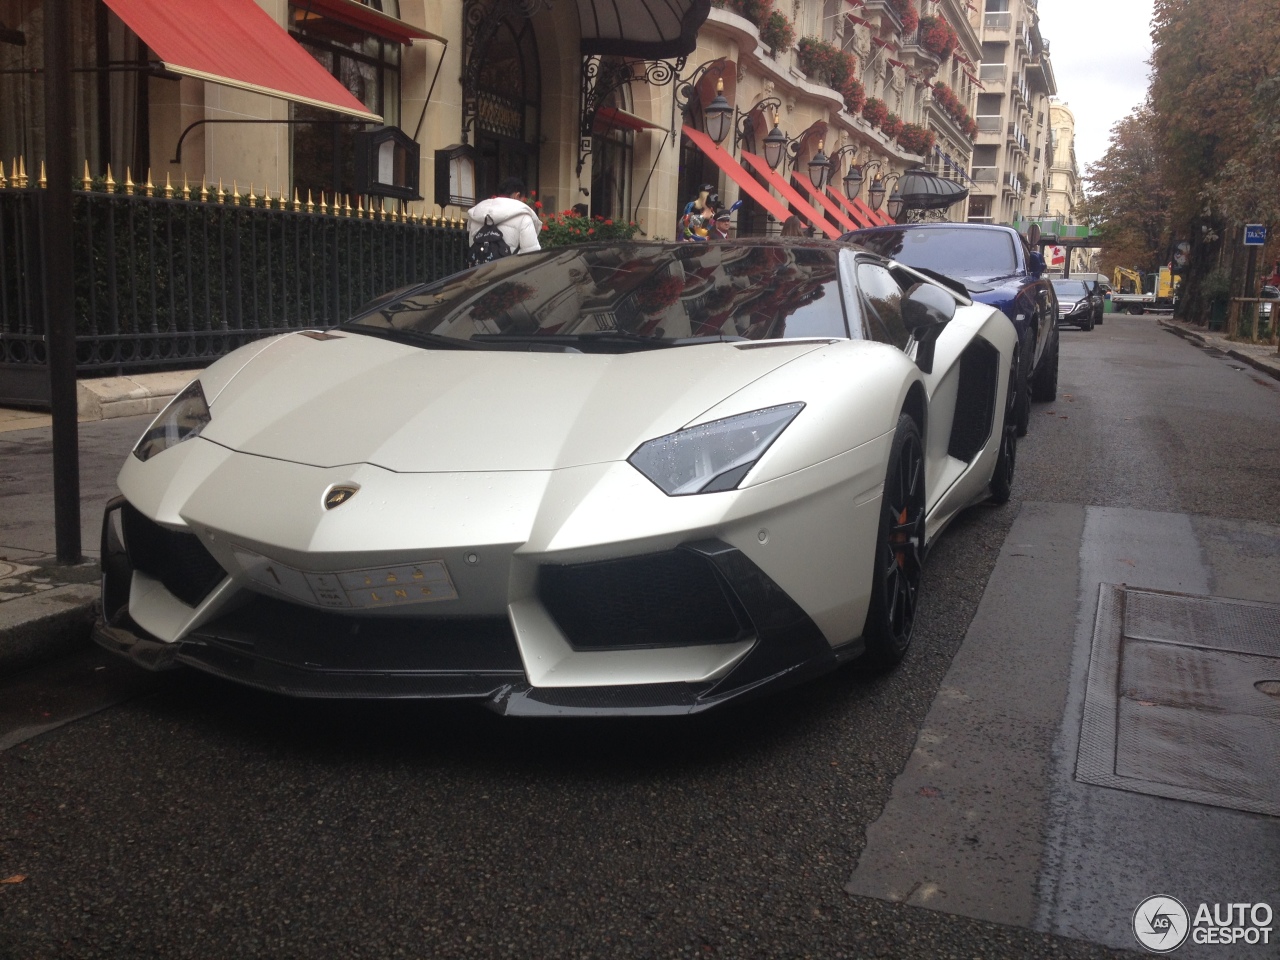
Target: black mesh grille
(178,560)
(662,599)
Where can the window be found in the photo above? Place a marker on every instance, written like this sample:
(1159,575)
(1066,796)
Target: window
(109,103)
(883,297)
(368,66)
(508,104)
(612,149)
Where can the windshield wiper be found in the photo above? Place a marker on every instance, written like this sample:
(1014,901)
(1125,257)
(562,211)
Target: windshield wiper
(415,337)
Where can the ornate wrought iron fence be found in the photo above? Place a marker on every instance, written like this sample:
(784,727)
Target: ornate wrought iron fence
(163,282)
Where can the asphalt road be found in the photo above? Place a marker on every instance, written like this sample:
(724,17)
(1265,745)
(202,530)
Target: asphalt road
(201,820)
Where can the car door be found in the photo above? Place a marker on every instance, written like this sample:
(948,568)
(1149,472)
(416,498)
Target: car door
(1037,299)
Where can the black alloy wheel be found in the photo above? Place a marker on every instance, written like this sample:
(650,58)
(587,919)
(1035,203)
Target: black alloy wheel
(899,557)
(1007,458)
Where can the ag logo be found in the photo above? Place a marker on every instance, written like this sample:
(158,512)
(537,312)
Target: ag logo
(1161,924)
(337,496)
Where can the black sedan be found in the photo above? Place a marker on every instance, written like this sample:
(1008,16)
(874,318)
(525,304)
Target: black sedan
(1080,304)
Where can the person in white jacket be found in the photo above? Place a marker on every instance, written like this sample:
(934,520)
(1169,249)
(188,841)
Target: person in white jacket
(510,214)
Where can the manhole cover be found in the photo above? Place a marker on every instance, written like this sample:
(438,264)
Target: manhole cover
(1182,699)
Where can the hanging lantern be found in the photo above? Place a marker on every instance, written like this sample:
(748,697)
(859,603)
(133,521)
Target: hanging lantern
(853,181)
(774,143)
(718,116)
(819,169)
(875,193)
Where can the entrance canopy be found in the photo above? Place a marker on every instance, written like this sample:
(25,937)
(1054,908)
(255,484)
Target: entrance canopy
(641,29)
(922,190)
(236,43)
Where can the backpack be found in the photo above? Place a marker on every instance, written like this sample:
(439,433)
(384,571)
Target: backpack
(488,244)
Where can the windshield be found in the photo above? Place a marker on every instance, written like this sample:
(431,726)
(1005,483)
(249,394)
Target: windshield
(951,251)
(638,294)
(1070,289)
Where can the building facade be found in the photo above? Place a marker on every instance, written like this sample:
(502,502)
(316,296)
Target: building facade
(1065,190)
(1015,136)
(587,109)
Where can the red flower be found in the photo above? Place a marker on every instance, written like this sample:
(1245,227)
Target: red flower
(537,204)
(591,231)
(608,223)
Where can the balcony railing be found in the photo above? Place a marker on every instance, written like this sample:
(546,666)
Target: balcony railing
(996,21)
(985,174)
(993,72)
(989,124)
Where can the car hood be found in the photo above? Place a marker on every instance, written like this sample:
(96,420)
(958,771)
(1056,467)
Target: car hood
(360,399)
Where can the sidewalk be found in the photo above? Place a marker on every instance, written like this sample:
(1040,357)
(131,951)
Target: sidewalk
(46,607)
(1260,356)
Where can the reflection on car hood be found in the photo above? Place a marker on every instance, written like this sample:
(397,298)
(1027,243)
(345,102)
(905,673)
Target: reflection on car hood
(357,399)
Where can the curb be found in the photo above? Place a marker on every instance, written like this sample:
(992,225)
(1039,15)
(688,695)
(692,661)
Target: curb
(45,626)
(1271,371)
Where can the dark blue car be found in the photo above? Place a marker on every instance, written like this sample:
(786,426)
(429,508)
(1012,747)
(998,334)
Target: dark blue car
(997,267)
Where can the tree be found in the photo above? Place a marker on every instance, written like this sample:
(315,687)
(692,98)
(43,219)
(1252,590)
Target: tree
(1213,93)
(1128,198)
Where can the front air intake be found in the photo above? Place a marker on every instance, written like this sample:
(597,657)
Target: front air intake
(666,599)
(178,560)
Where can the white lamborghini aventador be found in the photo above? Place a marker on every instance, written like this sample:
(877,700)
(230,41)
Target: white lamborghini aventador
(613,478)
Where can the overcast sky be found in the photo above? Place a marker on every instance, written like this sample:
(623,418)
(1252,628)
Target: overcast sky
(1099,50)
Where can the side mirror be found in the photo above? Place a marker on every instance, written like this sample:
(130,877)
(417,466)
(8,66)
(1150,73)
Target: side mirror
(1036,263)
(926,311)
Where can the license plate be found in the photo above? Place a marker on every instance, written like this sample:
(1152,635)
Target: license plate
(426,582)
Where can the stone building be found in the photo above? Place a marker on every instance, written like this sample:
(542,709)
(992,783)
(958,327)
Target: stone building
(1064,192)
(430,103)
(1011,153)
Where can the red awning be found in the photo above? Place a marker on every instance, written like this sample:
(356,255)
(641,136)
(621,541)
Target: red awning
(878,218)
(612,118)
(355,14)
(722,159)
(833,211)
(858,217)
(793,198)
(235,42)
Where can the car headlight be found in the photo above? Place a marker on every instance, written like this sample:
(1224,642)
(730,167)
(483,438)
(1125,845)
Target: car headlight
(712,456)
(185,416)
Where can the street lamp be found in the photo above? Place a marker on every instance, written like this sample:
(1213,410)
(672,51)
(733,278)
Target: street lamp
(895,200)
(718,115)
(852,180)
(875,193)
(775,142)
(819,169)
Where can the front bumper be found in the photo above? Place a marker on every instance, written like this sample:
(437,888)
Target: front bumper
(275,645)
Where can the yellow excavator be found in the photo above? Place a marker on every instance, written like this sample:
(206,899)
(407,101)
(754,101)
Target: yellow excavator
(1136,292)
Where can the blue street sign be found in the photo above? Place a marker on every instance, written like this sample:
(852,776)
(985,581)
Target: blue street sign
(1255,234)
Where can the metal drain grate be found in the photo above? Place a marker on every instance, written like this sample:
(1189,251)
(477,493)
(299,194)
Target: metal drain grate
(1179,700)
